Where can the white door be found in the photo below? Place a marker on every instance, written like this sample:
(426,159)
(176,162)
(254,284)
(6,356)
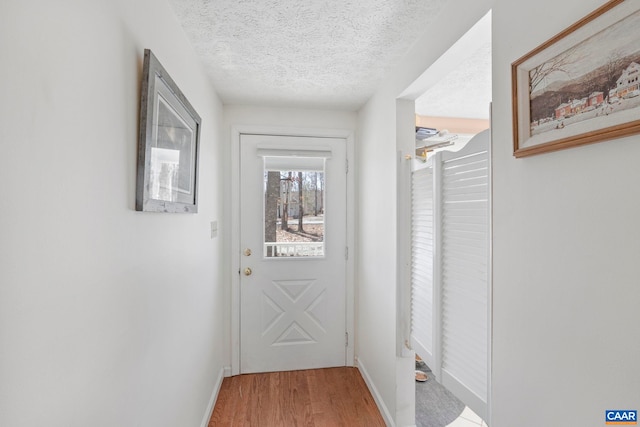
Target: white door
(292,281)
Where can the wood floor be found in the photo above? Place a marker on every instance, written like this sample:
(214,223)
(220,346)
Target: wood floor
(318,397)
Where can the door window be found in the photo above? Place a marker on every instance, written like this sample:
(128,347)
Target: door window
(294,207)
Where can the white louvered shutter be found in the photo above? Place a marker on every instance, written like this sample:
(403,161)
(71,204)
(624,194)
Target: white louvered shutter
(465,263)
(450,269)
(422,245)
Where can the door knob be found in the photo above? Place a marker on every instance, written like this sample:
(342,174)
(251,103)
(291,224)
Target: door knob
(247,271)
(247,252)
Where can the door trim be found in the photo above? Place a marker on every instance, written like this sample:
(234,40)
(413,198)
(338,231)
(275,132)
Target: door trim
(236,132)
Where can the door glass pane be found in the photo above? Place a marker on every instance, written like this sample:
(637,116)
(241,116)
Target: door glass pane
(294,208)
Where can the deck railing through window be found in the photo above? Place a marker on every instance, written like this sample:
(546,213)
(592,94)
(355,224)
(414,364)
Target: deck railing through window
(295,249)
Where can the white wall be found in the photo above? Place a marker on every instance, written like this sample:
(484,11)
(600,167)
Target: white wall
(566,249)
(108,317)
(288,117)
(375,262)
(376,268)
(566,244)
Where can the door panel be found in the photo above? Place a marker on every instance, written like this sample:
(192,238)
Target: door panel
(292,293)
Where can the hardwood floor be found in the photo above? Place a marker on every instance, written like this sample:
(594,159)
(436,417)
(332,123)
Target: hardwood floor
(319,397)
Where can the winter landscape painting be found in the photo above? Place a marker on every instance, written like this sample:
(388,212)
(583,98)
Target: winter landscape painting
(583,83)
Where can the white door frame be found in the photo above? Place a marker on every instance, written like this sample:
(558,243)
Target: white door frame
(238,130)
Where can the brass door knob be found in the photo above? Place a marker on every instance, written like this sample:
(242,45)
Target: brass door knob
(247,271)
(247,252)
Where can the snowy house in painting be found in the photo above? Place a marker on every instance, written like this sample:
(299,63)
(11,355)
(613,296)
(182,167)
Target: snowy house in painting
(579,105)
(563,110)
(629,80)
(595,99)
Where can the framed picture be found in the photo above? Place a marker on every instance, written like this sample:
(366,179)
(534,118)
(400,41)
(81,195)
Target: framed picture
(168,145)
(582,86)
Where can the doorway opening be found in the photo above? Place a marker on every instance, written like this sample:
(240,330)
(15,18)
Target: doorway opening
(449,232)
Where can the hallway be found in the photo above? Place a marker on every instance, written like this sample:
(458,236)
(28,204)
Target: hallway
(115,317)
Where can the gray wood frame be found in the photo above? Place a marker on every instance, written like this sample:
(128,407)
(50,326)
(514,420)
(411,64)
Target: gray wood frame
(169,138)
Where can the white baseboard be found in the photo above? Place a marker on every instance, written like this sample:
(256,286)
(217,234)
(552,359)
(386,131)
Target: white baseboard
(214,396)
(388,419)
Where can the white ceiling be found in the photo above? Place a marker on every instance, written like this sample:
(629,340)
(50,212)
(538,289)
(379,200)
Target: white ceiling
(325,54)
(464,92)
(458,84)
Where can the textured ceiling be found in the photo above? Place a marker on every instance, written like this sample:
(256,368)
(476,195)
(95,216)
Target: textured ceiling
(315,53)
(465,91)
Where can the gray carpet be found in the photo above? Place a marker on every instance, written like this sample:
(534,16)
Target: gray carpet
(435,405)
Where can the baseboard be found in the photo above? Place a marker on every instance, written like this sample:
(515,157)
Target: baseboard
(214,396)
(388,419)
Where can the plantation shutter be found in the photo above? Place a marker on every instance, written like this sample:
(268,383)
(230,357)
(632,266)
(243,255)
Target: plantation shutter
(422,243)
(465,259)
(450,269)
